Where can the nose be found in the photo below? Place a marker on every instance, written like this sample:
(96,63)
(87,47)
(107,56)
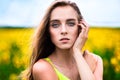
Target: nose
(64,30)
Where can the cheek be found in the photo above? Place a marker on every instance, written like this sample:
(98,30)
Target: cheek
(53,35)
(75,32)
(75,35)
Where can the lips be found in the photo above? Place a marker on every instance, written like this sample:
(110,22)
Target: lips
(64,39)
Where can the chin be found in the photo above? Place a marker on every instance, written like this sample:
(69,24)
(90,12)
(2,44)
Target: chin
(65,47)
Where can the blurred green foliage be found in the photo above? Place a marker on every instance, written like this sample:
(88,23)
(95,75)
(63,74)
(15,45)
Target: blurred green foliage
(110,72)
(9,68)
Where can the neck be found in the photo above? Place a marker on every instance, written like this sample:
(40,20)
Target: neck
(62,56)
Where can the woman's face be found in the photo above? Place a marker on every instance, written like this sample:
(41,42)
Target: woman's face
(63,27)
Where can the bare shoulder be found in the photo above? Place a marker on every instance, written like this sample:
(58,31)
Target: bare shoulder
(89,55)
(98,73)
(42,70)
(98,58)
(40,66)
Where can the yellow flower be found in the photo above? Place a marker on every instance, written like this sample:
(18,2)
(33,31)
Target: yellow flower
(114,61)
(13,77)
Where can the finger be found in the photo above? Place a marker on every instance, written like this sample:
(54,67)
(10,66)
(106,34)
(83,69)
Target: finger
(86,26)
(82,27)
(84,32)
(85,23)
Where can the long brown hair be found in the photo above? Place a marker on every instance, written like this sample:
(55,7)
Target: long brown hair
(42,44)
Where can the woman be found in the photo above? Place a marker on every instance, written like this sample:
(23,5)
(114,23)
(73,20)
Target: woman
(57,48)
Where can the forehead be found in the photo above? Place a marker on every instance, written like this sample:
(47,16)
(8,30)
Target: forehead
(63,12)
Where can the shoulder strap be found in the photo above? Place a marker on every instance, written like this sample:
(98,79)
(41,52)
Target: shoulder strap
(60,75)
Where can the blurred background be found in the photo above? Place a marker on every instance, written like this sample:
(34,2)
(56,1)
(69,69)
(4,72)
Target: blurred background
(19,19)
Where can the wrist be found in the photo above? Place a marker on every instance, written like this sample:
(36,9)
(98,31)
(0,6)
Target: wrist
(77,50)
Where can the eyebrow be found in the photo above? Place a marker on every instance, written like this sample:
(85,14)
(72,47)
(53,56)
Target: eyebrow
(56,20)
(71,20)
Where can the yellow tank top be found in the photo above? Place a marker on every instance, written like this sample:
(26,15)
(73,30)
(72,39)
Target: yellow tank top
(59,74)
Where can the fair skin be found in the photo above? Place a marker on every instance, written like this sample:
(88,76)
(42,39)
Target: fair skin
(68,57)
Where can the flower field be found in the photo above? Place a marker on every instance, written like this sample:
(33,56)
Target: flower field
(15,50)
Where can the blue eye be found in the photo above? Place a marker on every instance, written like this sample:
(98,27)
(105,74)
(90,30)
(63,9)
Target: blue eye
(55,25)
(71,24)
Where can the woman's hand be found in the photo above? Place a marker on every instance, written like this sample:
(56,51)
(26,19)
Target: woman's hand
(82,37)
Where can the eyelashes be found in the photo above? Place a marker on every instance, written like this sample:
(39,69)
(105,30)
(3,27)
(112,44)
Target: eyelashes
(71,24)
(55,25)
